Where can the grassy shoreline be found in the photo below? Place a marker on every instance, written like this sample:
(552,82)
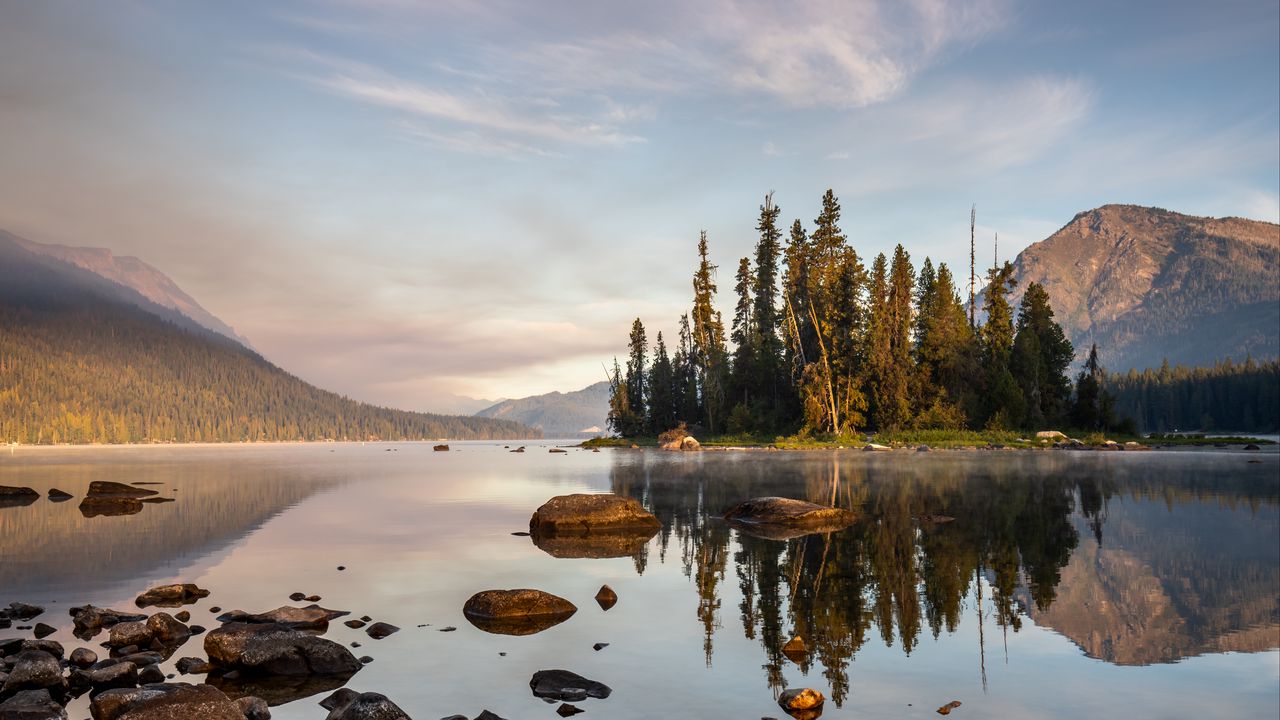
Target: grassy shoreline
(936,439)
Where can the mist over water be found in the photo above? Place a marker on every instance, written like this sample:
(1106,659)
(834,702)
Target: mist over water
(1024,584)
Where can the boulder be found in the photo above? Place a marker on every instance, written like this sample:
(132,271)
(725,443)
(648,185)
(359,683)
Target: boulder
(783,518)
(83,657)
(166,630)
(253,708)
(566,686)
(606,597)
(274,649)
(165,701)
(806,701)
(34,670)
(53,647)
(117,675)
(350,705)
(873,447)
(193,666)
(795,649)
(379,630)
(946,709)
(441,448)
(516,612)
(56,495)
(172,596)
(90,620)
(138,634)
(582,513)
(103,489)
(688,442)
(1050,435)
(22,611)
(11,496)
(32,705)
(1252,446)
(311,617)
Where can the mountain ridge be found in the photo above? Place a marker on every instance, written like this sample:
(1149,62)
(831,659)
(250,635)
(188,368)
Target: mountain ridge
(558,414)
(1149,284)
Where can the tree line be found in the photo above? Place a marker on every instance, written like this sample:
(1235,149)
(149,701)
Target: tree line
(820,343)
(1230,396)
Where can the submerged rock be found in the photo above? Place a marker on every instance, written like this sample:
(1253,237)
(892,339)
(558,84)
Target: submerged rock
(516,612)
(566,686)
(109,506)
(311,617)
(253,708)
(165,701)
(350,705)
(90,620)
(175,595)
(103,489)
(56,495)
(22,611)
(783,518)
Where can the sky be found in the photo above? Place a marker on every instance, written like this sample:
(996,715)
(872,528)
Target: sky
(407,201)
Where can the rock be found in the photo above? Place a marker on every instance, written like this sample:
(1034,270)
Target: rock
(166,701)
(486,715)
(193,666)
(924,448)
(519,449)
(56,495)
(946,709)
(297,597)
(90,620)
(11,496)
(557,450)
(311,617)
(253,708)
(784,518)
(350,705)
(441,448)
(119,675)
(1050,435)
(354,624)
(22,611)
(166,630)
(566,686)
(175,595)
(32,705)
(606,597)
(448,629)
(580,514)
(43,631)
(277,650)
(275,689)
(801,700)
(599,646)
(379,630)
(516,612)
(795,649)
(102,489)
(1252,446)
(125,634)
(53,647)
(627,543)
(83,657)
(566,710)
(150,675)
(33,670)
(92,507)
(873,447)
(182,616)
(688,442)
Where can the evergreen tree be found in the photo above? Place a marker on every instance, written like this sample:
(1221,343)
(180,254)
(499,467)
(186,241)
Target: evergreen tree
(664,389)
(947,353)
(619,419)
(1041,356)
(894,399)
(744,378)
(1094,408)
(767,370)
(686,371)
(636,380)
(879,343)
(1005,407)
(708,340)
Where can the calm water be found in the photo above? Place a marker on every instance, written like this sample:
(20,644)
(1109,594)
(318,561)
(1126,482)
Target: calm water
(1106,585)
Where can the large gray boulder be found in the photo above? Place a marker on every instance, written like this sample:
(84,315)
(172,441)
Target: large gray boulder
(275,649)
(32,705)
(782,518)
(165,701)
(516,612)
(34,670)
(350,705)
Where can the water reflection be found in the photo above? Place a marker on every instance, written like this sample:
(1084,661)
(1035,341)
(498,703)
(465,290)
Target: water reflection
(1136,565)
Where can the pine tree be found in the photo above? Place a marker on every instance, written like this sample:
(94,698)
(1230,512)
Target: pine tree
(767,346)
(1005,407)
(744,377)
(686,370)
(1041,356)
(663,390)
(879,343)
(895,402)
(636,380)
(708,340)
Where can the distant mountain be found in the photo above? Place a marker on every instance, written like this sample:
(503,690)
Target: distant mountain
(134,274)
(87,359)
(459,405)
(1148,284)
(565,415)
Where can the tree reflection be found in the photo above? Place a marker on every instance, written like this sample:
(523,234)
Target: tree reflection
(897,570)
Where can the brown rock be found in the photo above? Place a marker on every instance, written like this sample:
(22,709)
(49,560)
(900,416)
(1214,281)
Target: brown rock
(946,709)
(606,597)
(805,700)
(166,701)
(516,612)
(175,595)
(311,617)
(781,518)
(582,513)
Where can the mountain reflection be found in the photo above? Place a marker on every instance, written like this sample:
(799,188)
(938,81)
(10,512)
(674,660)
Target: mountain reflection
(1135,563)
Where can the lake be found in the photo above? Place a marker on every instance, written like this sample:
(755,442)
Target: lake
(1068,584)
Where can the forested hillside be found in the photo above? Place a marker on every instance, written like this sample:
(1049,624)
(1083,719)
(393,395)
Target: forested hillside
(1230,396)
(84,360)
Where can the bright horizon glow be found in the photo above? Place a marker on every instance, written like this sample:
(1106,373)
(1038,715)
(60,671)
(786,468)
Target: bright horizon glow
(406,201)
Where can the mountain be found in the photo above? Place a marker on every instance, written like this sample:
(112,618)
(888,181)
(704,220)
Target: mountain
(134,274)
(459,404)
(1148,284)
(87,359)
(556,414)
